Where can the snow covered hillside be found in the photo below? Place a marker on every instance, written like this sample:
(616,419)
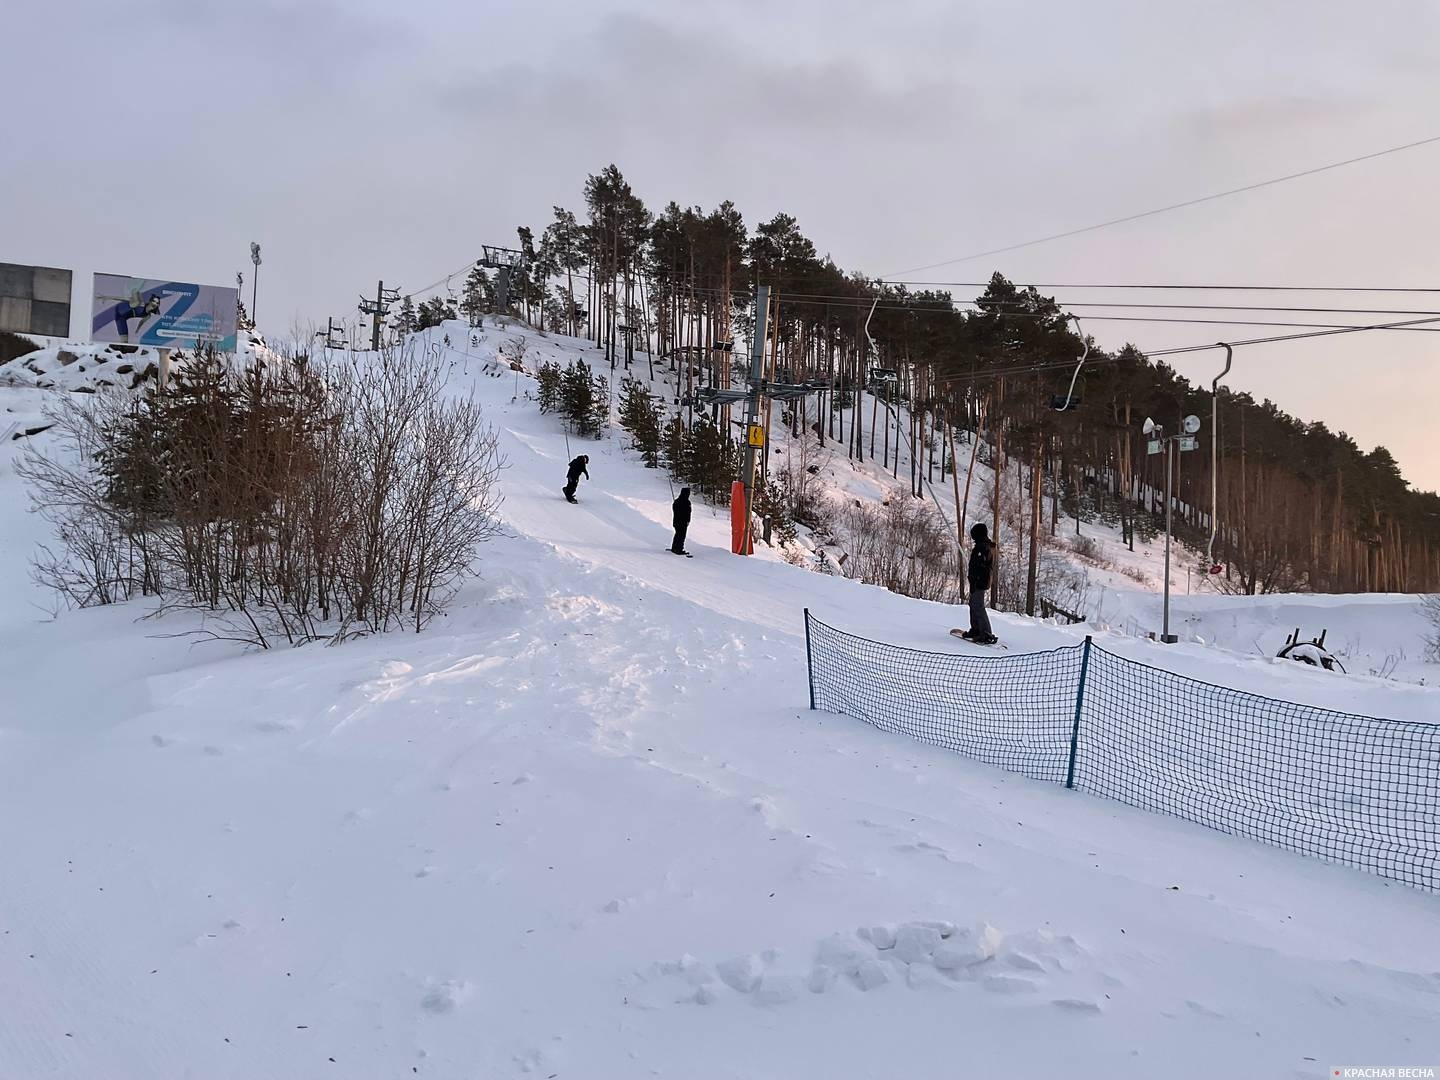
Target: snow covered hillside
(585,826)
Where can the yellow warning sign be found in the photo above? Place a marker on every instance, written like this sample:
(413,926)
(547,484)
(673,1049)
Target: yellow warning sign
(757,435)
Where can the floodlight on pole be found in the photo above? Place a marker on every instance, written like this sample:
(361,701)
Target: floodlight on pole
(255,278)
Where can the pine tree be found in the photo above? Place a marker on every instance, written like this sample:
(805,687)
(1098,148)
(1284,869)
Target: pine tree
(640,416)
(714,463)
(477,296)
(675,449)
(433,312)
(405,321)
(564,239)
(549,379)
(584,400)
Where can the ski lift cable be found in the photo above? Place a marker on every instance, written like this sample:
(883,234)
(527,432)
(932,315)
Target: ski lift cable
(950,305)
(924,480)
(1291,337)
(877,303)
(684,275)
(1183,349)
(919,304)
(441,281)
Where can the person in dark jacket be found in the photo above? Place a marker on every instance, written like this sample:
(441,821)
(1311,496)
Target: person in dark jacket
(982,562)
(681,507)
(572,477)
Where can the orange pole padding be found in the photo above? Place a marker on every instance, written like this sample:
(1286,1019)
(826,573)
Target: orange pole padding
(739,525)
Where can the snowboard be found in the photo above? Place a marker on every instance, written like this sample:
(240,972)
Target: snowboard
(965,636)
(685,553)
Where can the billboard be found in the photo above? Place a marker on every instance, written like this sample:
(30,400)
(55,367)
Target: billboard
(35,300)
(162,314)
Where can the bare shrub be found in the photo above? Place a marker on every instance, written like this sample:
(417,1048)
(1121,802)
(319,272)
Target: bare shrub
(422,470)
(904,547)
(515,349)
(809,504)
(1430,608)
(1087,547)
(1134,573)
(295,500)
(102,554)
(1058,581)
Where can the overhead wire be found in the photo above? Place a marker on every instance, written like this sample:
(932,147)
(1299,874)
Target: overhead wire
(1173,206)
(1221,288)
(1026,369)
(927,304)
(860,304)
(1288,337)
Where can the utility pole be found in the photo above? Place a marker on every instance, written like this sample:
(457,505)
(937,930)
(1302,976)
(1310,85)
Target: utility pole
(752,407)
(1165,636)
(377,309)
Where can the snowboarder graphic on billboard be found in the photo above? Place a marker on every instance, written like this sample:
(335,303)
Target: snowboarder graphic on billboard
(134,306)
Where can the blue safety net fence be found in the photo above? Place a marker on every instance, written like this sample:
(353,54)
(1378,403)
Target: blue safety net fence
(1356,790)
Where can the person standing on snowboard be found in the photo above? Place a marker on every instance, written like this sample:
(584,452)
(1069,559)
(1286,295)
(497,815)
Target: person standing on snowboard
(681,506)
(982,562)
(572,477)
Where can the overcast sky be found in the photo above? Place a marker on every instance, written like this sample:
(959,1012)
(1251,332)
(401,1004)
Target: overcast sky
(357,140)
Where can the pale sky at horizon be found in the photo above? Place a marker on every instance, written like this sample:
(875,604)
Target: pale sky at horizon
(362,140)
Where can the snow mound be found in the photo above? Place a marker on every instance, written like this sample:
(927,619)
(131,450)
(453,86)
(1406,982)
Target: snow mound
(81,367)
(915,956)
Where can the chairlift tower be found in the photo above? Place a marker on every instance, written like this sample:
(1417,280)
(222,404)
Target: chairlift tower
(328,334)
(759,389)
(377,309)
(505,262)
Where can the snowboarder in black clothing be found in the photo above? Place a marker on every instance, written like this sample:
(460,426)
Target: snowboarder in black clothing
(982,561)
(572,477)
(681,506)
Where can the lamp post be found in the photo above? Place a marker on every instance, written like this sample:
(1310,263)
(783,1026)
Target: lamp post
(254,278)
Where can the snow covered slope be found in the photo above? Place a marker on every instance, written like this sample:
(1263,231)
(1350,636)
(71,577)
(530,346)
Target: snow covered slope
(586,827)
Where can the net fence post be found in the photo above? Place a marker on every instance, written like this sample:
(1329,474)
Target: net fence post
(1079,704)
(809,660)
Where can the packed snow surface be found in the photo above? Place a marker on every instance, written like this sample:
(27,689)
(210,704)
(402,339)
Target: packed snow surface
(586,826)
